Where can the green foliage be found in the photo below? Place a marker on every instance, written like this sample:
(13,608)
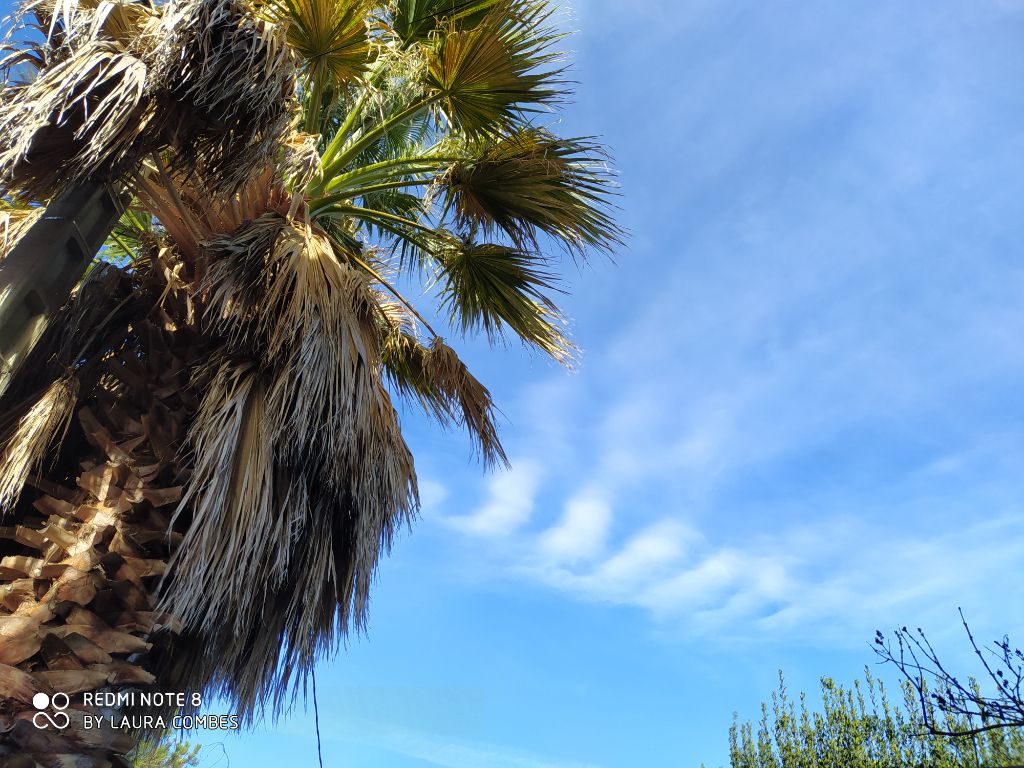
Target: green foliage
(165,754)
(861,728)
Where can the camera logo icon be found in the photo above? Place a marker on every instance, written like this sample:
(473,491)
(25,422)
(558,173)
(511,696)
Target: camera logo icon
(43,719)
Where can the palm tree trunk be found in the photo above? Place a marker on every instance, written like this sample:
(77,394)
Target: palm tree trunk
(80,569)
(38,275)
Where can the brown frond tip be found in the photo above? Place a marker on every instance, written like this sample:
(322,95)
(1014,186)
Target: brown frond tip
(32,436)
(475,405)
(441,383)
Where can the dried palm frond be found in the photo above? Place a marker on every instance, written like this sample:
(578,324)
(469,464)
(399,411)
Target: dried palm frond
(37,405)
(230,78)
(119,80)
(301,162)
(33,436)
(296,441)
(83,117)
(15,221)
(435,378)
(299,166)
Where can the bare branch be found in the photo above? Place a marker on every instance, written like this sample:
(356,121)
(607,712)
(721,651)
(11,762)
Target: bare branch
(918,662)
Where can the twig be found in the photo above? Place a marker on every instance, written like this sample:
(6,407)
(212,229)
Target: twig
(316,720)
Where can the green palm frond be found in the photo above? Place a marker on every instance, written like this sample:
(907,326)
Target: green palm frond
(395,202)
(415,21)
(132,237)
(402,140)
(332,41)
(485,77)
(329,35)
(529,182)
(495,288)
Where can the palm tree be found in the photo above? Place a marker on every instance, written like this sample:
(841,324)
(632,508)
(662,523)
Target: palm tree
(201,460)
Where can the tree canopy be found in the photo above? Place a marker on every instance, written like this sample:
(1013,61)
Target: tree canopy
(860,727)
(305,176)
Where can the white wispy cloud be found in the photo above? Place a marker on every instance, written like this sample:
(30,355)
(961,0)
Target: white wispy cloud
(509,504)
(799,396)
(433,494)
(583,529)
(833,581)
(641,561)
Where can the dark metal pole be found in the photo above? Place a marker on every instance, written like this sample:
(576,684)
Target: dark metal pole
(46,264)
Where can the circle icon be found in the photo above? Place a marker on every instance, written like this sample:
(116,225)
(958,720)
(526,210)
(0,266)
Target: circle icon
(43,719)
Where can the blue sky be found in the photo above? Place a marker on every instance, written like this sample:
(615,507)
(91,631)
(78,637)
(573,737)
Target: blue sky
(798,417)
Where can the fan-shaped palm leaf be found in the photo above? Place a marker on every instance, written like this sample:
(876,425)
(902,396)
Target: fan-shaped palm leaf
(487,75)
(530,181)
(329,35)
(495,288)
(415,21)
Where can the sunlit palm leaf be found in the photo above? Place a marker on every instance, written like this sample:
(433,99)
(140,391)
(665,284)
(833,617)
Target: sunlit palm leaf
(494,288)
(414,21)
(529,182)
(486,76)
(279,247)
(330,36)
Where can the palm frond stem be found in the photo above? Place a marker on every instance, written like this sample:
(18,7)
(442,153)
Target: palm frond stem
(386,169)
(169,215)
(371,215)
(338,140)
(316,97)
(355,192)
(394,292)
(335,161)
(124,246)
(172,190)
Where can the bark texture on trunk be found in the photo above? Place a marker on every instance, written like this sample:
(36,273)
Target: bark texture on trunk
(83,559)
(42,269)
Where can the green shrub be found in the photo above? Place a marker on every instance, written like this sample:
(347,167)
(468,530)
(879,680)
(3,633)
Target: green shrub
(861,728)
